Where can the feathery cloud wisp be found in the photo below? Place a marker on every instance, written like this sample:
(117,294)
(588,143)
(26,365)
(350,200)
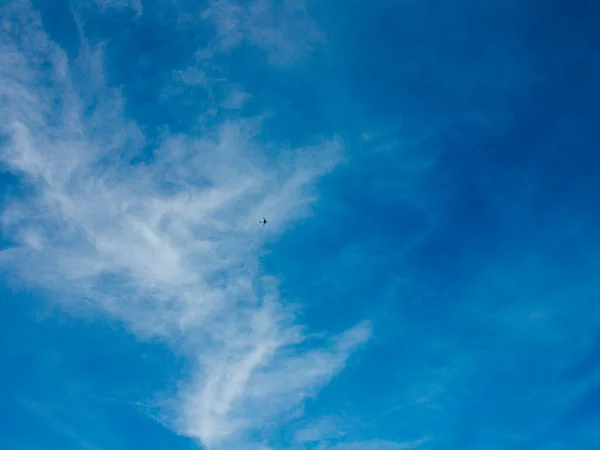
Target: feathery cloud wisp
(282,28)
(168,245)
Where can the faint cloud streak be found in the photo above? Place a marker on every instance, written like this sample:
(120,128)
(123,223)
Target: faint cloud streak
(282,28)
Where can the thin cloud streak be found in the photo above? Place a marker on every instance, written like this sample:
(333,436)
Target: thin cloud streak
(170,245)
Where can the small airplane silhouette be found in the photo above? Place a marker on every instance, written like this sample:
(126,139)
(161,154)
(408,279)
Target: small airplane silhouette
(263,221)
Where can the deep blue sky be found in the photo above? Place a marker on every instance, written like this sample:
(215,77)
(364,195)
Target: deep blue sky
(429,275)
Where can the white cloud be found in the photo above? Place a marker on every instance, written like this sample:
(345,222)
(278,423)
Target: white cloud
(236,99)
(264,365)
(337,433)
(282,28)
(170,246)
(323,429)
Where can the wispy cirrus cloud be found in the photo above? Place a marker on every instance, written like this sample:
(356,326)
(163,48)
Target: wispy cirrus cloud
(139,152)
(165,241)
(282,28)
(343,433)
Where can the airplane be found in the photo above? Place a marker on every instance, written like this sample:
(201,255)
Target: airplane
(263,221)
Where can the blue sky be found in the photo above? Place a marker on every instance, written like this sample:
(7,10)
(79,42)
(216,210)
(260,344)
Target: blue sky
(429,275)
